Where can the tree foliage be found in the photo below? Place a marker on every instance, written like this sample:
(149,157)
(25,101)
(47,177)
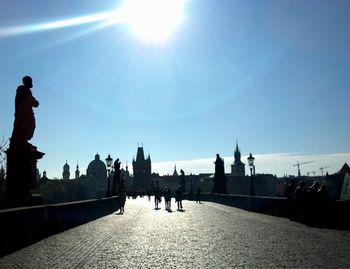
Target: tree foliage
(3,146)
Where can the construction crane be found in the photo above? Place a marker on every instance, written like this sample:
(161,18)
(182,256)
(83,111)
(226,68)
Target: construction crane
(298,165)
(322,168)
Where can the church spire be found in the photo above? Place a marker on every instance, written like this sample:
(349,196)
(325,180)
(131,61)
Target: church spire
(77,172)
(175,171)
(237,152)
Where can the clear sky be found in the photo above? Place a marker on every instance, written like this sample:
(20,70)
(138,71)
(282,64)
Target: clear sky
(274,74)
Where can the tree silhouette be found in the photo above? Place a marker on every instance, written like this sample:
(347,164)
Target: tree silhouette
(3,146)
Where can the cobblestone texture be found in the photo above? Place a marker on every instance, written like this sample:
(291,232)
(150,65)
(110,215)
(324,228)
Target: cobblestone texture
(205,235)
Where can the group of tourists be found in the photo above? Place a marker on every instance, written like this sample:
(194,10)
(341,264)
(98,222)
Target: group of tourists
(167,194)
(307,204)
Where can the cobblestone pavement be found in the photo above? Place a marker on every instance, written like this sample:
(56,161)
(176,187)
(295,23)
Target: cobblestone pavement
(205,235)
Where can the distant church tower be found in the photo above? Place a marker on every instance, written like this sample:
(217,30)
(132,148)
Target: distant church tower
(142,170)
(77,172)
(66,173)
(175,174)
(238,168)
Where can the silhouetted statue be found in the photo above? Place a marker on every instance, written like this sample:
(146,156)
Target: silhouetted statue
(183,181)
(24,125)
(219,176)
(21,155)
(116,177)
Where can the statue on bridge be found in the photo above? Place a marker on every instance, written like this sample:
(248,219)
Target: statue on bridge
(116,178)
(219,176)
(22,156)
(183,181)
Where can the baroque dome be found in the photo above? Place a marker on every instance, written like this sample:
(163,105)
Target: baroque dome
(97,168)
(66,166)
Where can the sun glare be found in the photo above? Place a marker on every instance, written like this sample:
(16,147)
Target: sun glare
(153,20)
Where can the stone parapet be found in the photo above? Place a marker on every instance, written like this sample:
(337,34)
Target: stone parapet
(23,226)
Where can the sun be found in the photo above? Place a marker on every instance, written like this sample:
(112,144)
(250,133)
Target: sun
(153,20)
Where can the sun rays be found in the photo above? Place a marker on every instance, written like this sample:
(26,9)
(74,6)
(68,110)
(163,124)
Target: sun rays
(150,20)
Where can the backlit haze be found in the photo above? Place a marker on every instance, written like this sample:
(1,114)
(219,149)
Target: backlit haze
(186,78)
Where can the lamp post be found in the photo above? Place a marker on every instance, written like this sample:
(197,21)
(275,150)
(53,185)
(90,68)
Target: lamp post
(251,166)
(109,162)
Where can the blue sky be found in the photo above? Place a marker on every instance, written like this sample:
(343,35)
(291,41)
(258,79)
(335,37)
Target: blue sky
(273,74)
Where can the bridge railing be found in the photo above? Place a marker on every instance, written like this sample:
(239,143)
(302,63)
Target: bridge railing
(264,204)
(23,226)
(336,215)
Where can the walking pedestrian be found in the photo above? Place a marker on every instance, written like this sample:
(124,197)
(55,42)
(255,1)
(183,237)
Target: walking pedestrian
(122,194)
(178,198)
(198,196)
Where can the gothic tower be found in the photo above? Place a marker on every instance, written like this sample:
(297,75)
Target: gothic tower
(238,168)
(142,170)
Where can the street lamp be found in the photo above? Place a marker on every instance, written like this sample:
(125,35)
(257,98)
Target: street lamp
(109,162)
(251,166)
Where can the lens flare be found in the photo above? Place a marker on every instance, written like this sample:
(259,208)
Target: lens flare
(39,27)
(151,20)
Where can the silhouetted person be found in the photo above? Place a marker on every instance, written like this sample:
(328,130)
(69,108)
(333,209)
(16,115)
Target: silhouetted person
(323,204)
(178,198)
(219,176)
(149,194)
(300,200)
(122,194)
(24,125)
(311,203)
(198,195)
(157,196)
(167,199)
(290,189)
(289,194)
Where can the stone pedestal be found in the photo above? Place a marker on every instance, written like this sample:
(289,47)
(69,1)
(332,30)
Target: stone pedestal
(21,174)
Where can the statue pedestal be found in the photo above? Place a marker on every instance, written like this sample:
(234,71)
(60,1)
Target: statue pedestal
(21,174)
